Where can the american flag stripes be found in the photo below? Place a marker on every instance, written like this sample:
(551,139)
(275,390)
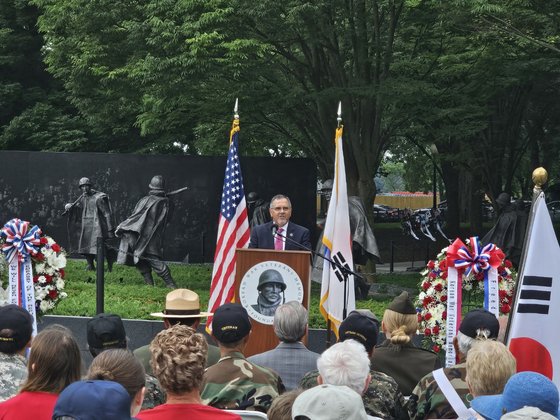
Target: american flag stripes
(233,229)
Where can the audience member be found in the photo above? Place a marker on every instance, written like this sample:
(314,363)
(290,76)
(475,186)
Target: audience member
(106,331)
(281,407)
(290,359)
(489,366)
(54,363)
(428,399)
(234,382)
(92,400)
(16,326)
(382,397)
(397,356)
(120,365)
(182,306)
(329,402)
(178,360)
(523,389)
(345,363)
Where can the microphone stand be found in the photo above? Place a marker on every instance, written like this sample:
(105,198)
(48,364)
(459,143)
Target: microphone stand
(346,272)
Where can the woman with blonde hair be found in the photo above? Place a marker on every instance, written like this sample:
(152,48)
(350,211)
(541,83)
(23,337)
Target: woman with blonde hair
(397,356)
(120,365)
(54,363)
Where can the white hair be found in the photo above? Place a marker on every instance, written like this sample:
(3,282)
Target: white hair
(345,363)
(464,342)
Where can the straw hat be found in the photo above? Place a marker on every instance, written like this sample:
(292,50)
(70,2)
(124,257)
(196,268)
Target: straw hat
(181,303)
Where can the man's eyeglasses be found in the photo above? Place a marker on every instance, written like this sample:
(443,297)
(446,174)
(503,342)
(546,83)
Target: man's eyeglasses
(281,208)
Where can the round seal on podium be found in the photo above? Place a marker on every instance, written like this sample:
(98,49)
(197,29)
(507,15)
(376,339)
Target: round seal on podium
(267,285)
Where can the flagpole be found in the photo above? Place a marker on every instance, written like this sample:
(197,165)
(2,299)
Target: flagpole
(540,176)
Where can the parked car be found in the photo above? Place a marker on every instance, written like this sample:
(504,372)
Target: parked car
(554,210)
(383,213)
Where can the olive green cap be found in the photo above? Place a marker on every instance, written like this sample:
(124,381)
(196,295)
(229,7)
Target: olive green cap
(402,304)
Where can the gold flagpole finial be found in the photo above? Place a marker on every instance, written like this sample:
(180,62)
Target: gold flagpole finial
(540,176)
(339,114)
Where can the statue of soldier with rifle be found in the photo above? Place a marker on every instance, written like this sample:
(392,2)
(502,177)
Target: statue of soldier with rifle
(142,233)
(92,213)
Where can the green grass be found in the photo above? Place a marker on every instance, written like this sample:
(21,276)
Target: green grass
(128,296)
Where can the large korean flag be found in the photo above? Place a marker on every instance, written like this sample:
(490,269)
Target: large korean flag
(534,327)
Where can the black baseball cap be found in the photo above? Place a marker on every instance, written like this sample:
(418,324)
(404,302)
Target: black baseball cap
(106,331)
(231,323)
(361,327)
(480,319)
(16,326)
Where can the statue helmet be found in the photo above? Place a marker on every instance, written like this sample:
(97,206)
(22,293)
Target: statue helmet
(271,276)
(252,197)
(157,183)
(84,181)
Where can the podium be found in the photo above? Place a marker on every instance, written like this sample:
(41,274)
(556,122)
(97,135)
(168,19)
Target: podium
(293,266)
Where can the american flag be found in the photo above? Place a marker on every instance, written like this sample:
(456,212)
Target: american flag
(233,229)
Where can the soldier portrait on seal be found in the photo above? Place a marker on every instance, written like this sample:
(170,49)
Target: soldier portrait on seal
(271,289)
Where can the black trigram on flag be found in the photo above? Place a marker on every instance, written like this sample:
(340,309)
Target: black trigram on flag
(339,259)
(530,294)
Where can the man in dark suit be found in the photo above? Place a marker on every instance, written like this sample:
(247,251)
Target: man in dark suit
(288,236)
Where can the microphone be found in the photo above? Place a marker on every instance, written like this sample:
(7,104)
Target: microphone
(274,229)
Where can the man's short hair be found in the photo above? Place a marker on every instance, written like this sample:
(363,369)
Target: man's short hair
(178,358)
(280,197)
(290,321)
(281,407)
(345,363)
(16,326)
(105,331)
(489,366)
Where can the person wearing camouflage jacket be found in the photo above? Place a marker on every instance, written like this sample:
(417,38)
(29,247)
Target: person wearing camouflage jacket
(16,326)
(234,382)
(13,372)
(154,394)
(382,398)
(427,400)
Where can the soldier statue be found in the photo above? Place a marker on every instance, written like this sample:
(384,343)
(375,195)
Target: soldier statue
(92,213)
(142,234)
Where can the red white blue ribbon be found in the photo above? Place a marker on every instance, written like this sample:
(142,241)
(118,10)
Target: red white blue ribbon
(21,242)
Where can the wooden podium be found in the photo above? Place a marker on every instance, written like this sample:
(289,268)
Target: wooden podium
(263,337)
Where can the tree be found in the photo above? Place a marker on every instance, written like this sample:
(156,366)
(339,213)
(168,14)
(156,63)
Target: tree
(33,113)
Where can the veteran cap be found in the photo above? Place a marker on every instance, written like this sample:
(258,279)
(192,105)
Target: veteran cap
(231,323)
(16,325)
(105,331)
(479,319)
(402,304)
(361,327)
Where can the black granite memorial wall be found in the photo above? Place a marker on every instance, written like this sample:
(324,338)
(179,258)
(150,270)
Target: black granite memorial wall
(34,186)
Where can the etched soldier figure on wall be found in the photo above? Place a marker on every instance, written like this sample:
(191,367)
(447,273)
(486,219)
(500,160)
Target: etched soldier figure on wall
(90,216)
(142,234)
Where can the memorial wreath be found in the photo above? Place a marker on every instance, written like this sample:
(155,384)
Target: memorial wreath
(32,258)
(433,296)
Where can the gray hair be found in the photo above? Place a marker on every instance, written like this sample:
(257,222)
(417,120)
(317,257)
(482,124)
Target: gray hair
(345,363)
(290,321)
(280,197)
(464,342)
